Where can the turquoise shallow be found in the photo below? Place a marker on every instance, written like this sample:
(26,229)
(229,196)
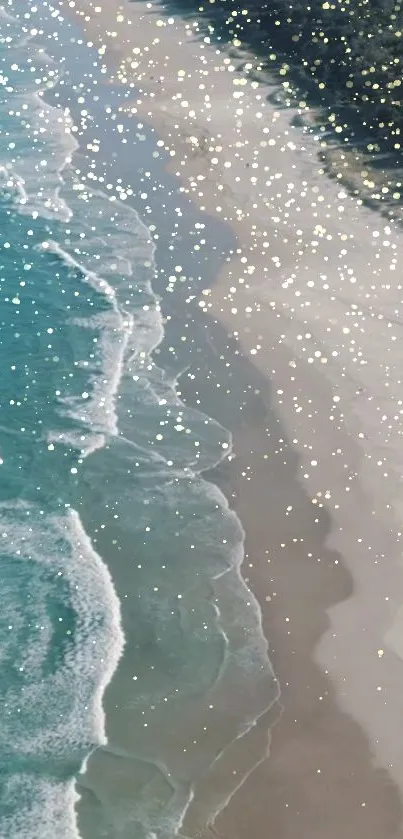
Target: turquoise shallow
(119,564)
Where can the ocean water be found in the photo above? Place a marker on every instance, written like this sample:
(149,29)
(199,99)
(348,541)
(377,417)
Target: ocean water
(120,565)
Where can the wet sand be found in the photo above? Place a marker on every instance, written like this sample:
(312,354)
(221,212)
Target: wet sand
(321,778)
(321,519)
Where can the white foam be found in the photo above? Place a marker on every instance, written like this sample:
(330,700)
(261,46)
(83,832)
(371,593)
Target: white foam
(93,279)
(60,544)
(98,411)
(71,719)
(38,175)
(10,180)
(40,808)
(29,171)
(86,443)
(6,15)
(99,587)
(126,244)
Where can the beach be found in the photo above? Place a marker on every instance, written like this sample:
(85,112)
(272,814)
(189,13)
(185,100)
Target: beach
(303,326)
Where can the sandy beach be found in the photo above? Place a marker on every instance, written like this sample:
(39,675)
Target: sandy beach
(311,306)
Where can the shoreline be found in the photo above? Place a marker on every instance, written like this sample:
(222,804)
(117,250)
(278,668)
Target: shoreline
(263,321)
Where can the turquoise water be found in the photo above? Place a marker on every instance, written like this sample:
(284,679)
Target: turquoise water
(119,563)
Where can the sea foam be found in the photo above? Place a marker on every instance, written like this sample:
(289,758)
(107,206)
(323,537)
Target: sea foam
(53,704)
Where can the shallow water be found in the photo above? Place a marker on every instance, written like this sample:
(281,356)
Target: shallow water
(118,557)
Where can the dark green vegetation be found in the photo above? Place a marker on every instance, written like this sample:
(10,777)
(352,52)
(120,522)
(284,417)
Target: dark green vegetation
(345,54)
